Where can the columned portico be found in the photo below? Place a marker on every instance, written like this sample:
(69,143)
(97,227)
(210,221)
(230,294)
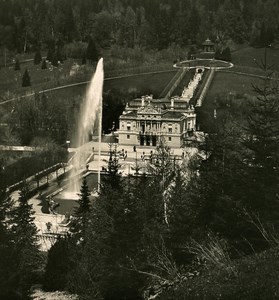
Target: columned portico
(153,122)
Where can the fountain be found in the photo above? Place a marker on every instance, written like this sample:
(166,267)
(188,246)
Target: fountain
(91,111)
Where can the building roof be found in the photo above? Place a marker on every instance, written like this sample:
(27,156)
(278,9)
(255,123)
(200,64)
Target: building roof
(208,42)
(128,114)
(163,103)
(172,115)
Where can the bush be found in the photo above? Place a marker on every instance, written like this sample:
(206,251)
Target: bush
(17,65)
(44,65)
(257,278)
(75,49)
(37,58)
(26,79)
(58,265)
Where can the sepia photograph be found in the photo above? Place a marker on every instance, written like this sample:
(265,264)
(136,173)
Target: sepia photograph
(139,149)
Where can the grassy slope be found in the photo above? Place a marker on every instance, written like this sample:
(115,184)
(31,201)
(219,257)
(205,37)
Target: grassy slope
(231,83)
(11,80)
(249,56)
(244,61)
(150,83)
(257,278)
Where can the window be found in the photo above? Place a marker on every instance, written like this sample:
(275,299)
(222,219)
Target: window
(170,128)
(128,126)
(169,138)
(128,136)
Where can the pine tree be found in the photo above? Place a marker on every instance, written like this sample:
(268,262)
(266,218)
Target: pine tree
(6,205)
(79,223)
(262,142)
(44,65)
(83,61)
(181,212)
(26,254)
(218,187)
(91,51)
(54,60)
(59,55)
(51,50)
(17,65)
(6,242)
(58,264)
(26,79)
(37,57)
(226,54)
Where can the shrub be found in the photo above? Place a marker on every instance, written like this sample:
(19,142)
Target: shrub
(37,57)
(26,79)
(17,65)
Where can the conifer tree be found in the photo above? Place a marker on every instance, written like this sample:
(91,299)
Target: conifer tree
(26,256)
(51,50)
(26,79)
(91,51)
(54,60)
(6,242)
(83,61)
(262,142)
(226,54)
(17,65)
(37,57)
(44,65)
(79,223)
(59,55)
(58,264)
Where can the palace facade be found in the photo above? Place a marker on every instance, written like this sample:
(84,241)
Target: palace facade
(146,120)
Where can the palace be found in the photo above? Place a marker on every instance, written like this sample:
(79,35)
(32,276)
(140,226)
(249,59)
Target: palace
(146,120)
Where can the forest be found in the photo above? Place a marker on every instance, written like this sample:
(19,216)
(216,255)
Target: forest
(40,24)
(205,227)
(202,227)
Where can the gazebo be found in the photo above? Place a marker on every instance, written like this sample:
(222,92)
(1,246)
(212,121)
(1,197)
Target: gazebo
(208,46)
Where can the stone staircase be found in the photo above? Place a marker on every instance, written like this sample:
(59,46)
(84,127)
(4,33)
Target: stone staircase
(168,90)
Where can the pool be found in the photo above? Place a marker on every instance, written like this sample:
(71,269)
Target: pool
(67,199)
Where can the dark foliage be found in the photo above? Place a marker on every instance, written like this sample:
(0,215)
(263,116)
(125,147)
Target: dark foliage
(17,65)
(38,57)
(26,81)
(128,23)
(25,251)
(80,218)
(91,51)
(83,61)
(44,65)
(56,271)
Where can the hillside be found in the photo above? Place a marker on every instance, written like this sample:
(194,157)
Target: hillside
(256,277)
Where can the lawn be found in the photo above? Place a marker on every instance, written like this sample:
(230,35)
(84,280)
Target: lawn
(230,83)
(226,90)
(146,83)
(67,73)
(251,56)
(11,80)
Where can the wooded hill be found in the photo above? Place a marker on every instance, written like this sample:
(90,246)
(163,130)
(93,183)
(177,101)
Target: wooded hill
(32,24)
